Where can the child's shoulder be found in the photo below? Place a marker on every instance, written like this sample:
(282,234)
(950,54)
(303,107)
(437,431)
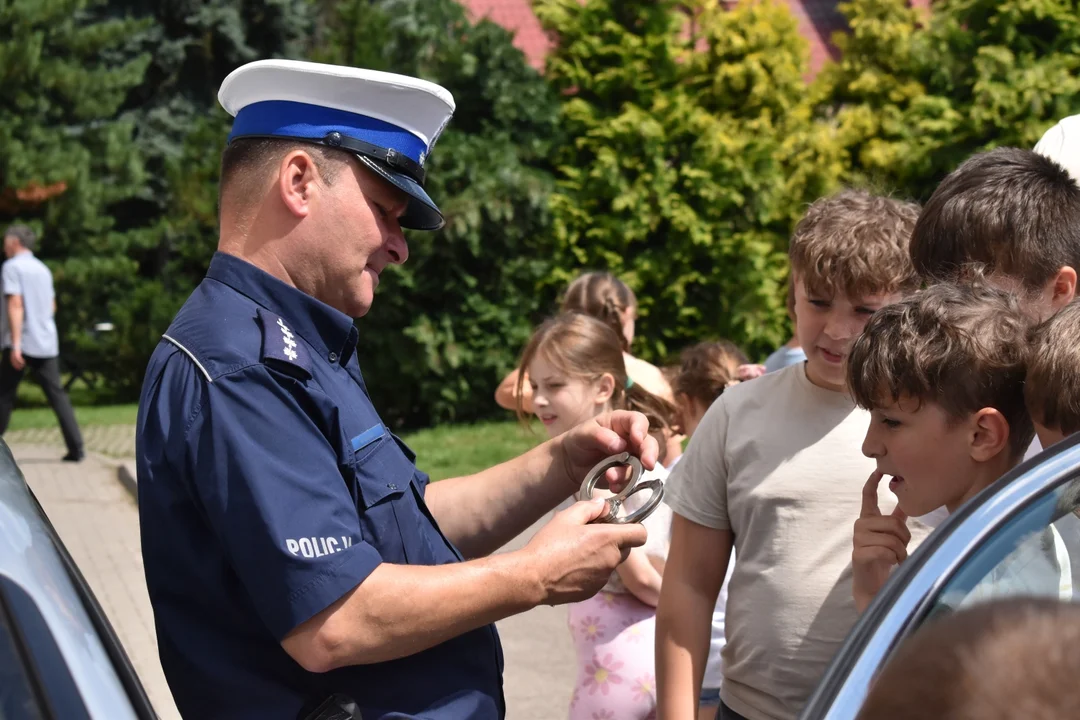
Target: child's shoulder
(787,381)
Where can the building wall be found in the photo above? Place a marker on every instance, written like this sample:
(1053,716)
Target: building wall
(818,20)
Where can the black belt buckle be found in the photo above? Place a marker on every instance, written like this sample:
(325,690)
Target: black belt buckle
(335,707)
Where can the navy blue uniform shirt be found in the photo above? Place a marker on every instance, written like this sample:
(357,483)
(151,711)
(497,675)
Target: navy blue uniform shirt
(268,489)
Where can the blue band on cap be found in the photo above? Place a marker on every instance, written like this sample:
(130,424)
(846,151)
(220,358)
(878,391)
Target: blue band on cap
(284,118)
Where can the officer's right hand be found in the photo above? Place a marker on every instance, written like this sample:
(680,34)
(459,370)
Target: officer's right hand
(574,559)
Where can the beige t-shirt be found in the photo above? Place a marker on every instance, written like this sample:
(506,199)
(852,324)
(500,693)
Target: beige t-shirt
(778,461)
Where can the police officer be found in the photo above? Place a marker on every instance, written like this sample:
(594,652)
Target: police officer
(293,551)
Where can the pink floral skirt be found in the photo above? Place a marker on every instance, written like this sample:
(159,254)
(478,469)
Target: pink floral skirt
(614,636)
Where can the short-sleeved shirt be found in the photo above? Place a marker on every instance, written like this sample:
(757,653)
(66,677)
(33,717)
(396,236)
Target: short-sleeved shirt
(778,462)
(784,356)
(27,276)
(268,489)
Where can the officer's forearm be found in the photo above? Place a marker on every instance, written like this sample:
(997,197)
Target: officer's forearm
(400,610)
(480,513)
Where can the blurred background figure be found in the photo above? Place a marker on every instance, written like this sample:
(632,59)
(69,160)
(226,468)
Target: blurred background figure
(30,338)
(1000,660)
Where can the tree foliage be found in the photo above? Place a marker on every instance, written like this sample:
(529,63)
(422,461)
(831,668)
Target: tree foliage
(693,153)
(179,131)
(447,325)
(67,160)
(673,143)
(914,95)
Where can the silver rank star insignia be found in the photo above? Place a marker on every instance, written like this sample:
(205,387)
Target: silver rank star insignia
(287,337)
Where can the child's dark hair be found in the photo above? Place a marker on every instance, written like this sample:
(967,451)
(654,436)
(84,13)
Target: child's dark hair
(1012,211)
(603,296)
(963,347)
(584,347)
(706,368)
(1052,389)
(997,660)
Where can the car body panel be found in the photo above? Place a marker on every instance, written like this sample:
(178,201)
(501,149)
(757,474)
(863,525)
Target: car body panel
(907,599)
(35,566)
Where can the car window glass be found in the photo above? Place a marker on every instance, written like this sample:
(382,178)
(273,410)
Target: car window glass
(17,700)
(1035,553)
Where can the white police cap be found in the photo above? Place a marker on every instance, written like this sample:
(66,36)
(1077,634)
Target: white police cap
(1061,144)
(390,122)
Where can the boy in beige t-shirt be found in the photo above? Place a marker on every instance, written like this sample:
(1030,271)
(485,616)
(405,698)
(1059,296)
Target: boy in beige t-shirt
(775,470)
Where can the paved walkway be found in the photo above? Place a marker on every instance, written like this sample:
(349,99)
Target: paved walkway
(113,441)
(98,521)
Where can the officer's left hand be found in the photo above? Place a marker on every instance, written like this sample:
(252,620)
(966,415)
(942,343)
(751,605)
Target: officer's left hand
(605,435)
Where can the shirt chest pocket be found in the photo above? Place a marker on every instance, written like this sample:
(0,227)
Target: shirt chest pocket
(390,517)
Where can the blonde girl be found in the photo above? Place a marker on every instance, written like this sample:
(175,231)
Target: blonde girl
(605,297)
(576,371)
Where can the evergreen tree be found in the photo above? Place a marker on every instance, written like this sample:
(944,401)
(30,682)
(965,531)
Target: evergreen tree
(915,96)
(693,154)
(67,158)
(180,132)
(448,324)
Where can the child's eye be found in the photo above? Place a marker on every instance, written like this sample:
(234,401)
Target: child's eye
(890,423)
(534,386)
(820,303)
(866,310)
(555,386)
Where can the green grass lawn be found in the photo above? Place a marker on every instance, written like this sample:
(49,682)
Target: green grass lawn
(39,417)
(453,450)
(442,452)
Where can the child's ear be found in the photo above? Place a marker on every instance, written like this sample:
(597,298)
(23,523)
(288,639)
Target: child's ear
(683,402)
(990,434)
(605,389)
(1064,288)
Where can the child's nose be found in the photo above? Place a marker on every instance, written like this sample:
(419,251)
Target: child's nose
(871,447)
(838,327)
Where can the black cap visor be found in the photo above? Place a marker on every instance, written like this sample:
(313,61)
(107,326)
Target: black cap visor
(422,213)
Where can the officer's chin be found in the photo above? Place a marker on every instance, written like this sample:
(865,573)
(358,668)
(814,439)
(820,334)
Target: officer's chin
(359,304)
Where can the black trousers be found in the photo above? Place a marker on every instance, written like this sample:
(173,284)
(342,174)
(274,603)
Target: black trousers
(726,713)
(47,373)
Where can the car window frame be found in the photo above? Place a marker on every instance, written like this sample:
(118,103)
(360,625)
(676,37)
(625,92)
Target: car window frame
(49,678)
(911,593)
(15,653)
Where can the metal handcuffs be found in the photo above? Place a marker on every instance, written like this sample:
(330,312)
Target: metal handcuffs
(632,487)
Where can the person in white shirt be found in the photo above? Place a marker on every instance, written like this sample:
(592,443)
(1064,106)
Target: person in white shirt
(30,339)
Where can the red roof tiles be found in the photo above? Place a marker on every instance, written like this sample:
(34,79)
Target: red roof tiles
(818,20)
(517,17)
